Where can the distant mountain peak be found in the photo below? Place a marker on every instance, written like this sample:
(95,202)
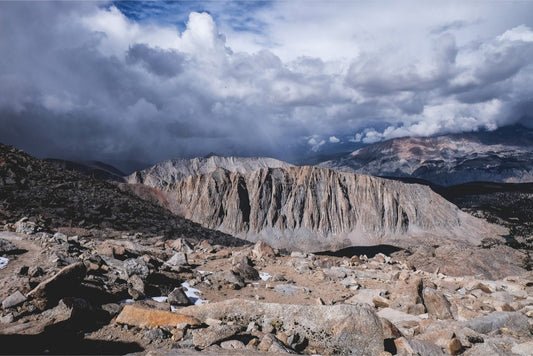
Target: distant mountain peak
(503,155)
(212,154)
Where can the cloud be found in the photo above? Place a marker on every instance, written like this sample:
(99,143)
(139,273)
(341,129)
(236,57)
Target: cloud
(85,80)
(163,63)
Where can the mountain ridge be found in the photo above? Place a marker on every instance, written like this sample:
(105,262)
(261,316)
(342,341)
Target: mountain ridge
(504,155)
(172,171)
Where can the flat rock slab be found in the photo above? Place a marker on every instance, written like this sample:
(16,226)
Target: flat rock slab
(344,329)
(143,317)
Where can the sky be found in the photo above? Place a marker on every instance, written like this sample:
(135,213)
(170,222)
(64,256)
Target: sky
(135,83)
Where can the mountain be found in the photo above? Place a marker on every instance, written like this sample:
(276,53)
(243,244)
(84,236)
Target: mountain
(312,208)
(55,198)
(172,171)
(95,169)
(503,155)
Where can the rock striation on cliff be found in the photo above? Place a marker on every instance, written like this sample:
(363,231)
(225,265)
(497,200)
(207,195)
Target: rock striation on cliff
(313,208)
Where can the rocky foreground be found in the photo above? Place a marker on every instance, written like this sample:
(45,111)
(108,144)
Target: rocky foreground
(81,295)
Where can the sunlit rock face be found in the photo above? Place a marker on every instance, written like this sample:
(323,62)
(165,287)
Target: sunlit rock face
(312,208)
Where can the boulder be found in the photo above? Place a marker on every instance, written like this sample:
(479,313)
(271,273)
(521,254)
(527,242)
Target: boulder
(24,226)
(205,337)
(406,296)
(63,283)
(341,328)
(179,259)
(7,246)
(178,297)
(515,322)
(242,266)
(180,245)
(136,287)
(230,278)
(136,266)
(143,317)
(436,304)
(263,250)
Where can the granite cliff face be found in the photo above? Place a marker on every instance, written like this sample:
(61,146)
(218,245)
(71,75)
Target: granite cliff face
(504,156)
(312,208)
(173,171)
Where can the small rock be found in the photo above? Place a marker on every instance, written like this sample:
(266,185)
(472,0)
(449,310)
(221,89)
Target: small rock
(278,277)
(390,331)
(35,271)
(7,247)
(136,266)
(232,345)
(454,346)
(7,319)
(13,300)
(112,309)
(136,287)
(212,322)
(263,250)
(425,348)
(381,302)
(403,347)
(181,245)
(157,334)
(23,226)
(231,278)
(241,266)
(179,259)
(60,237)
(335,272)
(297,254)
(436,304)
(178,297)
(270,343)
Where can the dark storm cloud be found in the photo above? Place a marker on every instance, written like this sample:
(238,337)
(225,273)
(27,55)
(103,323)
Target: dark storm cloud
(163,63)
(83,81)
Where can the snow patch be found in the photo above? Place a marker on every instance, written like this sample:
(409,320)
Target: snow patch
(3,262)
(192,294)
(159,299)
(264,276)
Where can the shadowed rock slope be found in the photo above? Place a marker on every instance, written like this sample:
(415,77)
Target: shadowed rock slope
(313,208)
(54,198)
